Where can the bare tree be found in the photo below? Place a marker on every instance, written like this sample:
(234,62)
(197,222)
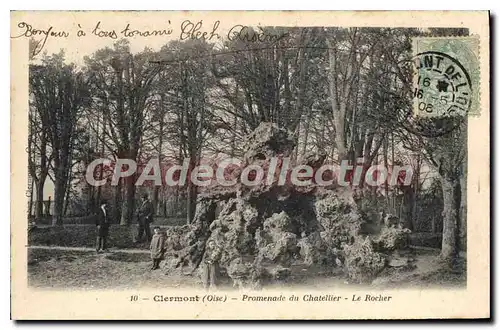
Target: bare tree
(123,85)
(39,158)
(59,94)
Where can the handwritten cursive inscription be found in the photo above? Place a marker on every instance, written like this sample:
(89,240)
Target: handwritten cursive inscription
(128,32)
(248,34)
(188,31)
(30,32)
(192,31)
(98,31)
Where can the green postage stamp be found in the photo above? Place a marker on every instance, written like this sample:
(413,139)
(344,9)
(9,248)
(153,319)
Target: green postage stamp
(446,76)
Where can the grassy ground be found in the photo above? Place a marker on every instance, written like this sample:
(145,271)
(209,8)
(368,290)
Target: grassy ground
(84,269)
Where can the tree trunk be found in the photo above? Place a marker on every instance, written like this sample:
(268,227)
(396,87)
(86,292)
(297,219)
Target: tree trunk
(176,201)
(67,192)
(340,134)
(189,203)
(66,199)
(338,103)
(97,200)
(59,193)
(463,209)
(416,187)
(386,164)
(129,201)
(306,134)
(233,136)
(408,203)
(118,201)
(156,200)
(39,200)
(191,195)
(30,203)
(164,203)
(451,201)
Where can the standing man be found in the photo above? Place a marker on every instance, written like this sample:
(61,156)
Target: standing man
(144,218)
(102,224)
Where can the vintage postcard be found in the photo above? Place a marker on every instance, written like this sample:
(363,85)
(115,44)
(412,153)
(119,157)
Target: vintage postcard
(250,165)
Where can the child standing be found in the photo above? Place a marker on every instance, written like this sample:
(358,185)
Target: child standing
(157,248)
(211,265)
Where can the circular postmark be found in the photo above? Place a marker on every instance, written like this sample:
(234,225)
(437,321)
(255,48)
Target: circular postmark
(442,93)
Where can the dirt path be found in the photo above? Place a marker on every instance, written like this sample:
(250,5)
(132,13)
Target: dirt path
(82,268)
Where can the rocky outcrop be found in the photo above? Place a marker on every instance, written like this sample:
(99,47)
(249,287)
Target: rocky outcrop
(265,228)
(362,262)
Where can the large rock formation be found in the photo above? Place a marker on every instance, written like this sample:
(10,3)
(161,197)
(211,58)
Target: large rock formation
(264,228)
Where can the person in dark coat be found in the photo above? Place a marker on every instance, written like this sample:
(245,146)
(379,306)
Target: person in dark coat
(157,248)
(144,218)
(103,220)
(211,265)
